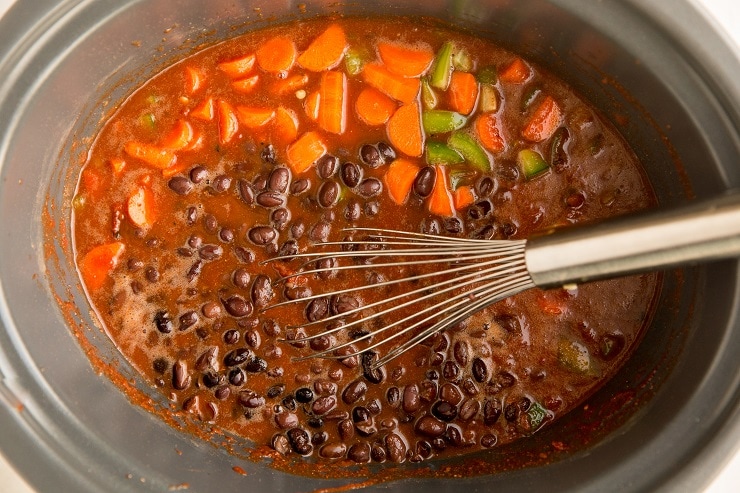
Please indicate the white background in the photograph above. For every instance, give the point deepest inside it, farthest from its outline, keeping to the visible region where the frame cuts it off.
(727, 14)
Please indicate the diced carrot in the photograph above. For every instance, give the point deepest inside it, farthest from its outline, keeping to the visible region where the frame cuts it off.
(246, 85)
(228, 123)
(311, 105)
(276, 55)
(117, 165)
(204, 110)
(195, 143)
(405, 60)
(284, 128)
(373, 107)
(463, 92)
(305, 151)
(404, 130)
(91, 179)
(140, 207)
(400, 178)
(179, 137)
(486, 127)
(152, 155)
(238, 67)
(175, 169)
(96, 264)
(543, 122)
(193, 79)
(252, 117)
(517, 72)
(440, 201)
(290, 84)
(463, 197)
(326, 51)
(399, 88)
(333, 102)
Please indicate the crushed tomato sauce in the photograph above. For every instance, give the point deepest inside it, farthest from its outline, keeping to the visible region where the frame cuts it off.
(268, 143)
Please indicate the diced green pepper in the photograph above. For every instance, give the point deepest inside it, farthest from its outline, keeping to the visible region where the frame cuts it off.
(460, 177)
(531, 163)
(574, 356)
(470, 150)
(529, 96)
(442, 68)
(461, 60)
(353, 61)
(439, 153)
(442, 121)
(533, 418)
(148, 121)
(488, 101)
(487, 75)
(428, 96)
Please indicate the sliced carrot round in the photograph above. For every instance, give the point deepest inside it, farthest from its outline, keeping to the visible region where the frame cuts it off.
(543, 122)
(440, 201)
(140, 207)
(252, 117)
(486, 127)
(228, 123)
(400, 178)
(238, 67)
(404, 130)
(98, 263)
(326, 51)
(276, 55)
(373, 107)
(284, 128)
(180, 136)
(405, 60)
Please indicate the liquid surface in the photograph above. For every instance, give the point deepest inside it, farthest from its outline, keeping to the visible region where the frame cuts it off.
(269, 143)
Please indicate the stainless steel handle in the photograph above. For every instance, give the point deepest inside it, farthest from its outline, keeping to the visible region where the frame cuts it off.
(701, 231)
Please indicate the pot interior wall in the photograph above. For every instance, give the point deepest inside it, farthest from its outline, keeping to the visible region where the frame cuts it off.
(85, 57)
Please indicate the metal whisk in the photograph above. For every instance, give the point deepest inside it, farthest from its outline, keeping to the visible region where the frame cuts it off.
(467, 275)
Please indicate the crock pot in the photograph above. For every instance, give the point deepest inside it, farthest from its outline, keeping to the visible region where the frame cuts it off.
(657, 69)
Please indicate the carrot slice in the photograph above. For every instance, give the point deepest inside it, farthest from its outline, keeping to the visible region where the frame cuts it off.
(486, 127)
(117, 165)
(373, 107)
(440, 201)
(140, 207)
(517, 72)
(404, 60)
(400, 178)
(543, 122)
(180, 137)
(399, 88)
(204, 110)
(311, 105)
(305, 151)
(289, 84)
(98, 263)
(463, 197)
(333, 102)
(246, 85)
(326, 51)
(252, 117)
(284, 127)
(404, 130)
(238, 67)
(276, 55)
(193, 79)
(152, 155)
(463, 92)
(228, 123)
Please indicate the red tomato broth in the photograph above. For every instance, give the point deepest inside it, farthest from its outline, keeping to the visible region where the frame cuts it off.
(192, 259)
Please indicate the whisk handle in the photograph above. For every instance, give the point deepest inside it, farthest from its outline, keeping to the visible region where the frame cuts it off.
(702, 231)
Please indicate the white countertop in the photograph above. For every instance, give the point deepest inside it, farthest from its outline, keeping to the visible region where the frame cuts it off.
(727, 13)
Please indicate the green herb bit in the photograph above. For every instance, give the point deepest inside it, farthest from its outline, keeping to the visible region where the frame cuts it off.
(531, 163)
(442, 67)
(353, 61)
(460, 177)
(470, 150)
(148, 121)
(488, 102)
(534, 418)
(574, 356)
(529, 96)
(462, 61)
(428, 96)
(442, 121)
(487, 75)
(440, 153)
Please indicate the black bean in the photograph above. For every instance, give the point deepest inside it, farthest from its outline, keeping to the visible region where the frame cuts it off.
(270, 199)
(424, 181)
(411, 401)
(320, 231)
(281, 444)
(271, 328)
(276, 390)
(297, 293)
(354, 391)
(431, 226)
(485, 186)
(451, 371)
(151, 274)
(352, 211)
(480, 370)
(180, 185)
(485, 233)
(469, 409)
(327, 166)
(480, 209)
(488, 440)
(210, 223)
(252, 338)
(558, 152)
(317, 309)
(386, 152)
(373, 375)
(575, 200)
(360, 414)
(262, 235)
(321, 343)
(237, 377)
(194, 270)
(191, 215)
(163, 322)
(211, 379)
(396, 447)
(453, 225)
(300, 186)
(221, 184)
(304, 395)
(198, 174)
(210, 252)
(359, 452)
(256, 365)
(460, 351)
(246, 191)
(222, 393)
(280, 217)
(237, 306)
(378, 453)
(611, 345)
(180, 377)
(323, 405)
(160, 365)
(430, 426)
(241, 278)
(509, 229)
(370, 187)
(511, 412)
(188, 319)
(231, 336)
(351, 174)
(343, 303)
(268, 154)
(251, 399)
(289, 402)
(237, 356)
(300, 441)
(510, 324)
(288, 249)
(259, 182)
(372, 208)
(195, 241)
(444, 411)
(262, 291)
(370, 155)
(211, 309)
(469, 387)
(244, 255)
(328, 194)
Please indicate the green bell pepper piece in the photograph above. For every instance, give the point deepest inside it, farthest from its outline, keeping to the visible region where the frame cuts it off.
(470, 149)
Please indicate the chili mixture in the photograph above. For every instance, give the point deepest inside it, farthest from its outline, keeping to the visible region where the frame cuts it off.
(269, 143)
